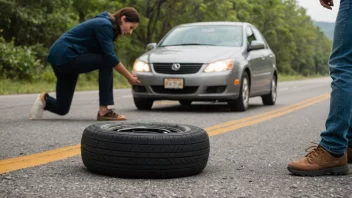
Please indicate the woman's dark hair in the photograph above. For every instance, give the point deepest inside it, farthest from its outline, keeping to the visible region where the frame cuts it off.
(131, 16)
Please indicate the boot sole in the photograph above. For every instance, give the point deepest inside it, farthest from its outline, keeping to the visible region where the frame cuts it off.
(343, 170)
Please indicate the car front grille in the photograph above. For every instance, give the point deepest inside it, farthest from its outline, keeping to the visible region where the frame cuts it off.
(185, 90)
(185, 68)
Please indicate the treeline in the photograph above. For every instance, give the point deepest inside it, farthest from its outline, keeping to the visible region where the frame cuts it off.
(29, 27)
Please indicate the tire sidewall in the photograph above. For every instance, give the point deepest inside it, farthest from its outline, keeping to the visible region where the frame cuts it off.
(109, 135)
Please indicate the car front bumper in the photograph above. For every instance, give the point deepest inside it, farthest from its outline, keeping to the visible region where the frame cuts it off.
(197, 87)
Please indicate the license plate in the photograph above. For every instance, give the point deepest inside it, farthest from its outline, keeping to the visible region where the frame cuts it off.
(173, 83)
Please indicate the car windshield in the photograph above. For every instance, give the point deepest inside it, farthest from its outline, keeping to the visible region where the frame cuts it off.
(215, 35)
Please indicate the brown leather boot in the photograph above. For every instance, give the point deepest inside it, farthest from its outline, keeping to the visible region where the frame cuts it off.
(319, 162)
(349, 155)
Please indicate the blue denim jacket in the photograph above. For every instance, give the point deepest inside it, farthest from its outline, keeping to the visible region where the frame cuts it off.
(92, 36)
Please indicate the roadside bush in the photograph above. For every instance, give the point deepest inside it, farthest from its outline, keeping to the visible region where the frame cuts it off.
(47, 75)
(41, 52)
(17, 62)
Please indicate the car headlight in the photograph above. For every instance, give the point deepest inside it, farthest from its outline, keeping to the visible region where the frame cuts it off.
(140, 66)
(219, 66)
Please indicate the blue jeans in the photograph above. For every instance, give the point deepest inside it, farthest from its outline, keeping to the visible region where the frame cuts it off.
(338, 134)
(67, 76)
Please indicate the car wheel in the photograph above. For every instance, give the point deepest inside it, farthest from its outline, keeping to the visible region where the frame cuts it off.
(270, 98)
(241, 103)
(143, 104)
(145, 150)
(185, 102)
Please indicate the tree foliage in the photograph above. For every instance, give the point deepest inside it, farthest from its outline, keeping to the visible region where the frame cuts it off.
(300, 47)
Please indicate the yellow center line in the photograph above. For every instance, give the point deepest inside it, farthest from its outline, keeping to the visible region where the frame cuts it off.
(18, 163)
(12, 164)
(237, 124)
(268, 115)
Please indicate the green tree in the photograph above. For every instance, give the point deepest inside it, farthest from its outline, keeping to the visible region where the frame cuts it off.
(31, 22)
(34, 25)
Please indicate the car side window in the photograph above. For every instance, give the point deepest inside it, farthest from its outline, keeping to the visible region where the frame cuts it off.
(250, 35)
(258, 36)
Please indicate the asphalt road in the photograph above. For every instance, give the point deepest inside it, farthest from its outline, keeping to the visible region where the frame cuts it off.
(247, 162)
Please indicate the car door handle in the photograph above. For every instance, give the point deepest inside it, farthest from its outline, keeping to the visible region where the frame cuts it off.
(271, 56)
(263, 57)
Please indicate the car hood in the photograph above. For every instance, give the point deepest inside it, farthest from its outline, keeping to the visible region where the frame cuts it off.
(189, 54)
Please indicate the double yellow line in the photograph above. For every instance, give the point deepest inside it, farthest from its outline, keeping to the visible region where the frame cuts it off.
(17, 163)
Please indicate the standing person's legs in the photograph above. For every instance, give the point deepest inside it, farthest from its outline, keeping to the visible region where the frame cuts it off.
(330, 156)
(334, 139)
(349, 148)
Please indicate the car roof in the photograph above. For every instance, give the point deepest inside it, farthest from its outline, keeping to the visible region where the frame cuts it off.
(214, 23)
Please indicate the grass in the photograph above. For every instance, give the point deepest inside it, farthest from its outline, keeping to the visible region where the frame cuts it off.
(8, 86)
(283, 78)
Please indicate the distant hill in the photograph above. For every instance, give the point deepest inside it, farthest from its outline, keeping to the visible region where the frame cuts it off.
(326, 27)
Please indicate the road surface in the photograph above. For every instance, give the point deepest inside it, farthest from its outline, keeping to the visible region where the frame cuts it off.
(246, 160)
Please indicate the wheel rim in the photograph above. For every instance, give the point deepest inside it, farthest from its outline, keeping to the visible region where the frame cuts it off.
(273, 90)
(146, 129)
(245, 91)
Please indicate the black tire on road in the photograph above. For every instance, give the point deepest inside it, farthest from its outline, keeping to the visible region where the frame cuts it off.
(145, 150)
(241, 103)
(143, 104)
(270, 99)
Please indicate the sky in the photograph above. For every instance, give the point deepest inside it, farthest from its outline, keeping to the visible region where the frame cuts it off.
(319, 13)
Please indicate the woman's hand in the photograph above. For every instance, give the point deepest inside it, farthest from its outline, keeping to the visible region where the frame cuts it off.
(133, 80)
(327, 4)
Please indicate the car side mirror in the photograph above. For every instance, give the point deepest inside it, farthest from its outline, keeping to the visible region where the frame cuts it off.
(151, 46)
(256, 45)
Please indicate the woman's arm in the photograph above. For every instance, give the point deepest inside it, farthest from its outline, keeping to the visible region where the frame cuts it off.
(133, 80)
(104, 35)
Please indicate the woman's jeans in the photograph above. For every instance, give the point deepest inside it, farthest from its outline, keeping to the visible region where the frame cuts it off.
(338, 134)
(67, 76)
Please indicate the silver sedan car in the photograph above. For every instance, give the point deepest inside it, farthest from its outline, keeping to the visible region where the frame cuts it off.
(208, 61)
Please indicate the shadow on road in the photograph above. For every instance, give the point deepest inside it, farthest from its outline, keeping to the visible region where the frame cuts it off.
(198, 108)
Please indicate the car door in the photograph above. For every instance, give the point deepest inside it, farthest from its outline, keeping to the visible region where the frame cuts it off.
(265, 70)
(255, 61)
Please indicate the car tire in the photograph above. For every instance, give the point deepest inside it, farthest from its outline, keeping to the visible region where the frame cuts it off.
(143, 104)
(145, 150)
(241, 103)
(185, 102)
(270, 99)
